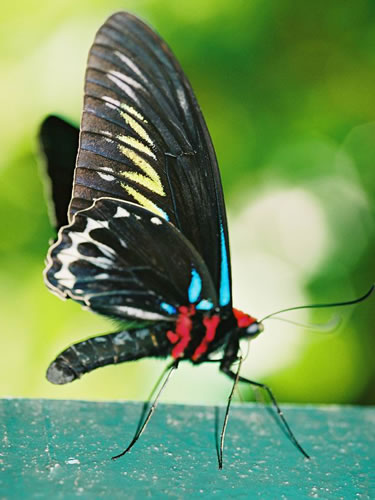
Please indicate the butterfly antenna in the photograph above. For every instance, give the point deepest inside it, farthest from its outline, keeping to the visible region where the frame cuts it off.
(328, 326)
(222, 436)
(318, 306)
(141, 428)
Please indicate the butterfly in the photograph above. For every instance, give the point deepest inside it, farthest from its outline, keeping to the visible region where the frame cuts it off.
(140, 215)
(139, 211)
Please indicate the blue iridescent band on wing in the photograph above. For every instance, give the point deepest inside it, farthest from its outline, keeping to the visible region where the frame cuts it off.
(168, 308)
(204, 305)
(224, 294)
(195, 286)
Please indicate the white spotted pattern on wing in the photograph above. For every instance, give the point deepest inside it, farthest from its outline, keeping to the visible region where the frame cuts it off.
(156, 221)
(67, 256)
(131, 64)
(125, 78)
(95, 224)
(121, 212)
(106, 132)
(137, 313)
(182, 100)
(110, 102)
(123, 86)
(65, 278)
(108, 136)
(106, 177)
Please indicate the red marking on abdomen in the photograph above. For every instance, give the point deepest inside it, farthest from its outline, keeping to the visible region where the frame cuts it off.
(211, 325)
(181, 337)
(243, 320)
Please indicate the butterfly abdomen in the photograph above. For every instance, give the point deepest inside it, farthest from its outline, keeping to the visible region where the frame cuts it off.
(126, 345)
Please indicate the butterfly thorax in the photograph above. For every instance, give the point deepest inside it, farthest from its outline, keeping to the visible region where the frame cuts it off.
(197, 334)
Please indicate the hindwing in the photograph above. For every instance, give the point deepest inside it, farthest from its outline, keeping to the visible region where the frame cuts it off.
(58, 142)
(121, 260)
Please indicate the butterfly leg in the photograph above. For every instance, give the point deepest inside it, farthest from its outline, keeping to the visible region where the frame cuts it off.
(138, 434)
(226, 416)
(230, 356)
(146, 405)
(225, 367)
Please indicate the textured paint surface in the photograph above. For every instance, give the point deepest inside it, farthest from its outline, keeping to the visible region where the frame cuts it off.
(62, 449)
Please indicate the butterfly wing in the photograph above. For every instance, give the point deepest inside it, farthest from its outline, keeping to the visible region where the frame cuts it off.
(123, 261)
(59, 144)
(144, 140)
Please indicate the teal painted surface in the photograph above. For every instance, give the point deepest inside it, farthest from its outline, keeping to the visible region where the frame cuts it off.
(62, 449)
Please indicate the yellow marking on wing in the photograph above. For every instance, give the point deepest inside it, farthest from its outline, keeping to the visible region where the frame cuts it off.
(150, 180)
(138, 129)
(136, 144)
(154, 339)
(133, 112)
(142, 200)
(148, 177)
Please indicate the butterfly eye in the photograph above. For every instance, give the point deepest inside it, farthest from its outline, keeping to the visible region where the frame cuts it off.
(254, 329)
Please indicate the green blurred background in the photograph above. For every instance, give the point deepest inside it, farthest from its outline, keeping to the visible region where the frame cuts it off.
(288, 92)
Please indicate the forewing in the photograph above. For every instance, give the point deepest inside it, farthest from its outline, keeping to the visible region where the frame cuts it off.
(122, 260)
(144, 140)
(59, 144)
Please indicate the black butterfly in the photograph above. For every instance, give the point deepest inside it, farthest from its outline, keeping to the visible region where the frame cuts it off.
(143, 235)
(142, 228)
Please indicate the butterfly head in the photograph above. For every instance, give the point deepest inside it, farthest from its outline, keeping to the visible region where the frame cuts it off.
(253, 330)
(249, 327)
